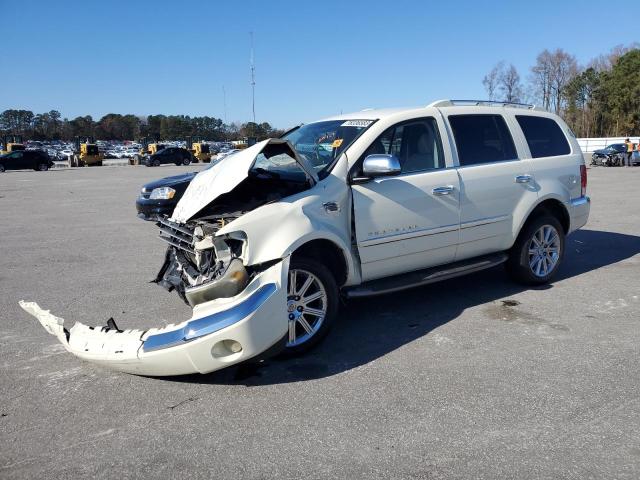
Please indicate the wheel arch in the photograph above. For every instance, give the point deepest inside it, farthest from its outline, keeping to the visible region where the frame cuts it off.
(550, 205)
(327, 252)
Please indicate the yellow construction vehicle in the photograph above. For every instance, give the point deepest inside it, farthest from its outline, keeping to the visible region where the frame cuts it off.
(200, 150)
(87, 154)
(146, 149)
(11, 143)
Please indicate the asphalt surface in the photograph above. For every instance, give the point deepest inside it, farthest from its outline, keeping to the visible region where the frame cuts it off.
(471, 378)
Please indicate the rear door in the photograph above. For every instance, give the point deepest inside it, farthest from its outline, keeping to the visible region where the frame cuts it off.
(408, 221)
(494, 182)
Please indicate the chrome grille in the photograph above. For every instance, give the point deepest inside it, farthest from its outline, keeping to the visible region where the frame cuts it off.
(177, 235)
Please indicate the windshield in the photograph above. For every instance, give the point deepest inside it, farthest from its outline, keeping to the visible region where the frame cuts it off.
(321, 143)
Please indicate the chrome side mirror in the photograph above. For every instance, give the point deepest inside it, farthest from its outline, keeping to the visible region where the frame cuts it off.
(380, 165)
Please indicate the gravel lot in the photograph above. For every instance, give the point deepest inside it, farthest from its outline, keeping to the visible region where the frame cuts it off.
(470, 378)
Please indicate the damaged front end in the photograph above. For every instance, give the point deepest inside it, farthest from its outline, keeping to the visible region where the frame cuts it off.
(199, 265)
(239, 310)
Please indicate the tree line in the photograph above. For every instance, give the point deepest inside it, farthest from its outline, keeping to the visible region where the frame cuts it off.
(113, 126)
(599, 99)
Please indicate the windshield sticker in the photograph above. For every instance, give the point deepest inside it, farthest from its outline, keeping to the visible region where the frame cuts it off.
(337, 142)
(357, 123)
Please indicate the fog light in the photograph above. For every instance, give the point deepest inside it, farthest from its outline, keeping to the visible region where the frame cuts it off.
(225, 348)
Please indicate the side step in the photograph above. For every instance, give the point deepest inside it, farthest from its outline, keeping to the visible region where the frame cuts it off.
(424, 277)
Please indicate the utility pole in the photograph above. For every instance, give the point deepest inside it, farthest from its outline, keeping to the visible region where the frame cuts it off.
(224, 103)
(253, 82)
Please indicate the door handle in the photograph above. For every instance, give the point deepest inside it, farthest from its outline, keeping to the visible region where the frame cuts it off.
(445, 190)
(523, 178)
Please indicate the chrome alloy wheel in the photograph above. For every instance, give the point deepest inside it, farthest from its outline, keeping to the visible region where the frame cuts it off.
(306, 306)
(544, 251)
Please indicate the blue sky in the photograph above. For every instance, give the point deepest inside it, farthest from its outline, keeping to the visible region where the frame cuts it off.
(313, 59)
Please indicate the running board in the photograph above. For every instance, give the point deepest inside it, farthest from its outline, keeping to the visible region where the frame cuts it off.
(424, 277)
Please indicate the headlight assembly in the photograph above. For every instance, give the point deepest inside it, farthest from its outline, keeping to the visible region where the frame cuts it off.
(162, 193)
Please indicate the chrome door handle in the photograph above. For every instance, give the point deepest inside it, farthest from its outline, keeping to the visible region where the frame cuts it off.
(446, 190)
(523, 179)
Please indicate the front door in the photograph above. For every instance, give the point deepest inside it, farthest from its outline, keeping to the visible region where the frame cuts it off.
(409, 221)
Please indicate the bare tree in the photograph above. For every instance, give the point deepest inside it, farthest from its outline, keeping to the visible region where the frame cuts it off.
(541, 78)
(509, 84)
(491, 80)
(550, 76)
(565, 68)
(605, 62)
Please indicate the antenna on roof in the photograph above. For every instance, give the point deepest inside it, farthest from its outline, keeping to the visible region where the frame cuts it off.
(253, 82)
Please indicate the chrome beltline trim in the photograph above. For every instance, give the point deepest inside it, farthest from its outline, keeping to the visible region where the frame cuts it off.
(211, 323)
(484, 221)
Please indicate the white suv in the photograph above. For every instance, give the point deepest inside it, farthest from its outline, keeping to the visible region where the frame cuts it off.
(263, 244)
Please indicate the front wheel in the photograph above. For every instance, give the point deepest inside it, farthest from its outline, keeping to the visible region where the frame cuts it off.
(535, 257)
(1, 168)
(186, 162)
(43, 167)
(312, 305)
(156, 163)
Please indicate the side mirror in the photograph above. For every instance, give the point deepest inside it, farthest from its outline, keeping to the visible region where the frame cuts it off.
(380, 165)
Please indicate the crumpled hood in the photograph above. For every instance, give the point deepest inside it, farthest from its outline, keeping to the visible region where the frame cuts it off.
(224, 177)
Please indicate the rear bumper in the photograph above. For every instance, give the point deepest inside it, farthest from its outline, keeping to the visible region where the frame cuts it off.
(579, 209)
(220, 333)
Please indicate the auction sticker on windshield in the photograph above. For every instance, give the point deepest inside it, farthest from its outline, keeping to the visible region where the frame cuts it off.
(357, 123)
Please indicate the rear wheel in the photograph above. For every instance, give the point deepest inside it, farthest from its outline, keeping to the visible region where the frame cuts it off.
(186, 161)
(538, 251)
(43, 167)
(1, 168)
(156, 163)
(312, 305)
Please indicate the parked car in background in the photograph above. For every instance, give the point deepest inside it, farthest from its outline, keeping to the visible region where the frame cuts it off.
(175, 155)
(25, 159)
(160, 197)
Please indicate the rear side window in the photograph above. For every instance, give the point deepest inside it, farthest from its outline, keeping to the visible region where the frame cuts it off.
(482, 139)
(544, 136)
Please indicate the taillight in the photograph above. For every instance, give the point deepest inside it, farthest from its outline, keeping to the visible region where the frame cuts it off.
(583, 180)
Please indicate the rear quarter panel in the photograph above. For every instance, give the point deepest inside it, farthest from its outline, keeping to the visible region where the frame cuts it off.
(556, 177)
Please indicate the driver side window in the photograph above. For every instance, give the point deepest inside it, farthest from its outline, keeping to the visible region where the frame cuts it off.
(416, 144)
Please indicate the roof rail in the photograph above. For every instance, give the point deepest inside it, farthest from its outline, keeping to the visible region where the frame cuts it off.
(451, 103)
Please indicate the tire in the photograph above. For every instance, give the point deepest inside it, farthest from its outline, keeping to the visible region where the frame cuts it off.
(536, 261)
(301, 338)
(42, 167)
(156, 163)
(186, 162)
(1, 168)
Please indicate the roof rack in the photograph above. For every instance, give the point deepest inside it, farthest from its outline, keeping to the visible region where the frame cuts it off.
(452, 103)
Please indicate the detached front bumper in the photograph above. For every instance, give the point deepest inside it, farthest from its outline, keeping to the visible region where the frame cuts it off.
(220, 333)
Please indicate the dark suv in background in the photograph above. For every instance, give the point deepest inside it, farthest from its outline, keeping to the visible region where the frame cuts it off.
(25, 159)
(175, 155)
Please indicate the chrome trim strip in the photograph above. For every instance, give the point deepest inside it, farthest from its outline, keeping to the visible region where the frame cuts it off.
(483, 221)
(577, 202)
(211, 323)
(408, 235)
